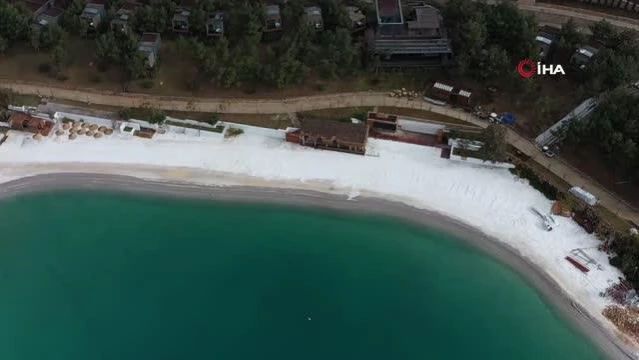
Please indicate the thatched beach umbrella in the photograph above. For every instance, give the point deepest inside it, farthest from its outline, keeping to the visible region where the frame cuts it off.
(98, 135)
(93, 127)
(85, 126)
(76, 126)
(102, 128)
(108, 131)
(81, 132)
(37, 137)
(72, 136)
(66, 126)
(59, 132)
(90, 133)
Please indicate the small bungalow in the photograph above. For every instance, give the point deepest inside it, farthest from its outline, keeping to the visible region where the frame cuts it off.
(441, 92)
(215, 24)
(149, 45)
(34, 7)
(583, 56)
(180, 22)
(24, 122)
(48, 17)
(313, 15)
(93, 14)
(357, 18)
(331, 135)
(462, 98)
(120, 22)
(273, 18)
(545, 42)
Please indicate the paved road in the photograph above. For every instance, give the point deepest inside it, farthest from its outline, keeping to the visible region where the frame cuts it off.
(372, 99)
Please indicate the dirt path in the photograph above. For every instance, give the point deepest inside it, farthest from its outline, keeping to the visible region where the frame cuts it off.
(291, 105)
(557, 15)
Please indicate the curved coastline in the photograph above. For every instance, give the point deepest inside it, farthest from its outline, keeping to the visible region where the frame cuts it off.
(604, 338)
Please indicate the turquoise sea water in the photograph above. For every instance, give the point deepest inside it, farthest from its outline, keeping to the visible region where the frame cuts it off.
(108, 276)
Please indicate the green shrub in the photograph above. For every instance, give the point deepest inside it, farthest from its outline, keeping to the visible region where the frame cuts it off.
(546, 188)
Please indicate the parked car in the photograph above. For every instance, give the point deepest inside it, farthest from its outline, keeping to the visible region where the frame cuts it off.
(547, 152)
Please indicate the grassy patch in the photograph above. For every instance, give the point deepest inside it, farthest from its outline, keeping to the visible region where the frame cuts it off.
(613, 220)
(154, 116)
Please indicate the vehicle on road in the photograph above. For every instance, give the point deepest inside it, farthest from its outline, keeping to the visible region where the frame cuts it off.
(547, 152)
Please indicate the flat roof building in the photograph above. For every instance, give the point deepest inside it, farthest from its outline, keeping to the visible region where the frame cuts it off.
(419, 40)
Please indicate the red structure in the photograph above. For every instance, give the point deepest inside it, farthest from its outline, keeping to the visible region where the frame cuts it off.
(24, 122)
(577, 264)
(331, 135)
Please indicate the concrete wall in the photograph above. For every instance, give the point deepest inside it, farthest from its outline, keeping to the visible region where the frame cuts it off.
(473, 161)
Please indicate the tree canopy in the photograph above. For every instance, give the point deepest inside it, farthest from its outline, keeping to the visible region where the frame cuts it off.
(488, 39)
(613, 128)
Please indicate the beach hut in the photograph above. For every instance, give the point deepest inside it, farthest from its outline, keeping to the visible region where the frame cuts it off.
(441, 92)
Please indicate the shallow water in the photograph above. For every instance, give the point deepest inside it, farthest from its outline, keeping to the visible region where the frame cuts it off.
(111, 276)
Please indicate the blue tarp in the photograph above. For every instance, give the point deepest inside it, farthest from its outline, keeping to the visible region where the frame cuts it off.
(508, 118)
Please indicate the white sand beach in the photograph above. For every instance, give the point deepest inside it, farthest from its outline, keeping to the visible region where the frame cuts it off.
(490, 200)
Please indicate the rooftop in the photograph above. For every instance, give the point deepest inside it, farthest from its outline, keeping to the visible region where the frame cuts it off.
(347, 132)
(426, 17)
(389, 12)
(273, 11)
(150, 37)
(53, 12)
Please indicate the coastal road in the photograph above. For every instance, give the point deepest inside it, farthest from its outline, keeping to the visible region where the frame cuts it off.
(326, 101)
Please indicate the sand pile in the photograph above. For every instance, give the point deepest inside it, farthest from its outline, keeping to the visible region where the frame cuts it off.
(627, 320)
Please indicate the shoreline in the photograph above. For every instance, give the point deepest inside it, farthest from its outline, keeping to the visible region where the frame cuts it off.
(601, 336)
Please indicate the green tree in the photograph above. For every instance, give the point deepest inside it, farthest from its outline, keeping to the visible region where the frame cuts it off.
(4, 44)
(71, 20)
(335, 15)
(571, 37)
(58, 58)
(52, 36)
(14, 24)
(107, 51)
(495, 147)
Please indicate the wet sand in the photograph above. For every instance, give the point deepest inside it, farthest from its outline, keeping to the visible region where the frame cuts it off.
(609, 343)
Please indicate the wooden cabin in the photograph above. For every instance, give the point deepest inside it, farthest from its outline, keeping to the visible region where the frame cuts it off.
(331, 135)
(462, 98)
(441, 92)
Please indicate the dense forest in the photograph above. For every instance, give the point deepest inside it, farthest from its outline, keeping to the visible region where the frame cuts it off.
(239, 57)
